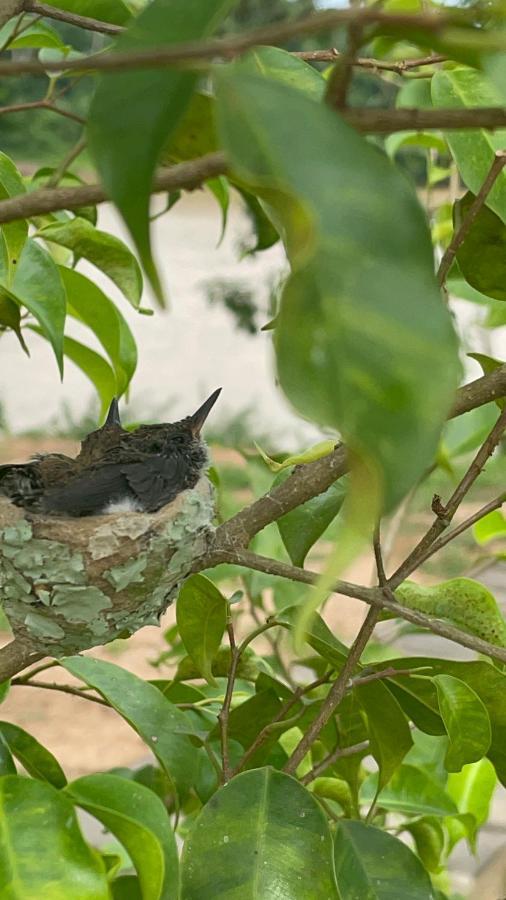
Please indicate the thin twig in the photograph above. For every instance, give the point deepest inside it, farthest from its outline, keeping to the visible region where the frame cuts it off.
(336, 693)
(265, 733)
(36, 670)
(363, 62)
(462, 231)
(226, 47)
(340, 78)
(64, 15)
(42, 104)
(467, 523)
(63, 688)
(445, 514)
(331, 758)
(67, 161)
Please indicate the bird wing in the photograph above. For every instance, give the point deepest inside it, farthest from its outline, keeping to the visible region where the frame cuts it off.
(88, 494)
(158, 480)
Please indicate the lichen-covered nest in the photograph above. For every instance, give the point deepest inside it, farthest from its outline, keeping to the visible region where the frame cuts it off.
(69, 584)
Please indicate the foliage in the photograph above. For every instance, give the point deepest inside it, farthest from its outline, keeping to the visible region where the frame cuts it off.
(282, 760)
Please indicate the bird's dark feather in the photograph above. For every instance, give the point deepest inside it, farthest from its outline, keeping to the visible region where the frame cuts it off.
(157, 482)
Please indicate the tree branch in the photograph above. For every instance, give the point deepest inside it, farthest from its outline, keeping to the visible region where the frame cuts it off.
(277, 33)
(63, 688)
(388, 121)
(64, 15)
(462, 231)
(445, 514)
(338, 753)
(467, 523)
(14, 657)
(364, 62)
(187, 175)
(42, 104)
(373, 596)
(336, 693)
(10, 8)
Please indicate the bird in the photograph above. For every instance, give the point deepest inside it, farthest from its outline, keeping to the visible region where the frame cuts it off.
(116, 470)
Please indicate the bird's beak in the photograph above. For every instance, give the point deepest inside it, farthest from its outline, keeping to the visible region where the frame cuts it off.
(198, 418)
(113, 414)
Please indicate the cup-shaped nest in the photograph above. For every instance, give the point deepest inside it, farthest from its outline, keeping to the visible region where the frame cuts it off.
(67, 584)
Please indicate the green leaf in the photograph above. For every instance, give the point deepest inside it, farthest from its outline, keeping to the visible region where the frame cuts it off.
(262, 835)
(466, 721)
(463, 601)
(87, 303)
(42, 853)
(412, 791)
(389, 734)
(161, 725)
(7, 764)
(38, 762)
(373, 865)
(345, 330)
(126, 138)
(37, 286)
(472, 149)
(302, 527)
(114, 11)
(429, 839)
(266, 235)
(139, 820)
(319, 636)
(248, 719)
(491, 526)
(196, 133)
(10, 317)
(37, 35)
(472, 790)
(201, 618)
(481, 256)
(14, 233)
(220, 189)
(107, 252)
(282, 66)
(126, 887)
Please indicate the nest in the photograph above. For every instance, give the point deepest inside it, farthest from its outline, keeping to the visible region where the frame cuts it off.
(70, 584)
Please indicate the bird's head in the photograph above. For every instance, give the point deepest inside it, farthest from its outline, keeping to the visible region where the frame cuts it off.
(186, 434)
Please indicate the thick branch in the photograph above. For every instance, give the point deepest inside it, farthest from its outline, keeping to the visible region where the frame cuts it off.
(15, 657)
(277, 33)
(372, 596)
(185, 175)
(388, 121)
(10, 8)
(480, 391)
(64, 15)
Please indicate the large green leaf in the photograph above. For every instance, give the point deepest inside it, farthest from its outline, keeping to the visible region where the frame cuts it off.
(139, 820)
(302, 527)
(38, 287)
(282, 66)
(361, 314)
(34, 36)
(466, 720)
(373, 865)
(37, 761)
(87, 303)
(472, 790)
(319, 636)
(161, 725)
(263, 835)
(42, 853)
(107, 252)
(473, 149)
(488, 682)
(465, 602)
(14, 233)
(482, 255)
(389, 732)
(134, 113)
(201, 618)
(411, 790)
